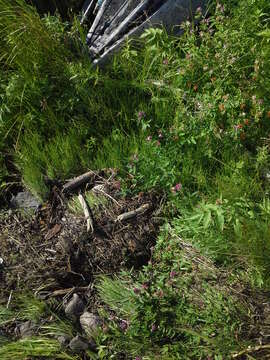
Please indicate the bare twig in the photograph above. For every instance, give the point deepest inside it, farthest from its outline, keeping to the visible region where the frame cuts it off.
(87, 213)
(131, 214)
(99, 188)
(9, 298)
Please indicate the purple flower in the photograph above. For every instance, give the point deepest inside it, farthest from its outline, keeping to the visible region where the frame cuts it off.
(123, 325)
(199, 10)
(141, 114)
(136, 290)
(138, 358)
(153, 328)
(165, 62)
(178, 187)
(173, 274)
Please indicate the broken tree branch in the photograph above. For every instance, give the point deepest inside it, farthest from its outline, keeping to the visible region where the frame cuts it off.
(78, 181)
(133, 213)
(87, 213)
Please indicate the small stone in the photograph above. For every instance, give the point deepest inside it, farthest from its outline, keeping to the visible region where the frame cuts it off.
(27, 329)
(90, 323)
(78, 344)
(65, 245)
(74, 307)
(64, 340)
(25, 200)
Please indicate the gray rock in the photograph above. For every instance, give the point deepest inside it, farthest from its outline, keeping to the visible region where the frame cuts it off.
(90, 323)
(78, 344)
(64, 340)
(25, 200)
(74, 307)
(27, 329)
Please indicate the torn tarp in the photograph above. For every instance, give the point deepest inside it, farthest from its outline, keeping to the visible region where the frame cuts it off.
(115, 20)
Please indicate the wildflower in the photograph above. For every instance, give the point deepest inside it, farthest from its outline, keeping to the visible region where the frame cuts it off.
(141, 115)
(238, 126)
(123, 325)
(149, 138)
(158, 143)
(178, 187)
(160, 135)
(136, 290)
(205, 68)
(153, 327)
(201, 34)
(165, 62)
(173, 274)
(145, 286)
(135, 157)
(199, 10)
(137, 358)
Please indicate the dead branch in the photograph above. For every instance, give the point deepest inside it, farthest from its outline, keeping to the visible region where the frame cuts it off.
(87, 213)
(78, 181)
(62, 292)
(133, 213)
(251, 350)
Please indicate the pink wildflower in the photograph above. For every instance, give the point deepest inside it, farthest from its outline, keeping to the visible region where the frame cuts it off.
(165, 62)
(136, 290)
(178, 187)
(141, 114)
(173, 274)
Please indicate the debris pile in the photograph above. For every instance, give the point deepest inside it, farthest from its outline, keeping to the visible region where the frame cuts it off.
(63, 244)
